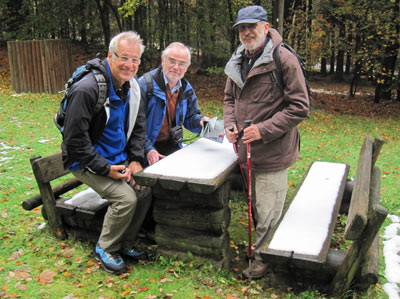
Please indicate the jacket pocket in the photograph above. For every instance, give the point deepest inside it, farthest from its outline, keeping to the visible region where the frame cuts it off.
(262, 89)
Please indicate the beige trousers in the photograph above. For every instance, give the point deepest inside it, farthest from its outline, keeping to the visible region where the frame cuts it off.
(125, 213)
(269, 193)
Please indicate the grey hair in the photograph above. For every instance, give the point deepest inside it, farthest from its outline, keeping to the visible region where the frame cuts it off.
(129, 35)
(165, 52)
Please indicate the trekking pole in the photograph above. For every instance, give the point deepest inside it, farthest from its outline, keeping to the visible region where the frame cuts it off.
(230, 128)
(247, 123)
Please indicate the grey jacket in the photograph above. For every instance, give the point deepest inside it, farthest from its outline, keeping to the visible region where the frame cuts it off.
(275, 113)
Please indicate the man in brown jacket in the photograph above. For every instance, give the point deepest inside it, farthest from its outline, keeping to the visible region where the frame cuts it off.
(252, 93)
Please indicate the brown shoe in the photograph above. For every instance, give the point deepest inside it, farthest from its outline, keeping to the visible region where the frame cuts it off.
(258, 270)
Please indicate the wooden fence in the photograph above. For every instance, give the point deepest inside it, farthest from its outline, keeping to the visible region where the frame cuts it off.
(39, 65)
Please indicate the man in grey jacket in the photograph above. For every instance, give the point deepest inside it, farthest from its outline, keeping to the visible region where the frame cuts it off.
(252, 93)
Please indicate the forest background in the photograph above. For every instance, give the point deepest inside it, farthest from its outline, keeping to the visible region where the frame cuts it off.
(356, 38)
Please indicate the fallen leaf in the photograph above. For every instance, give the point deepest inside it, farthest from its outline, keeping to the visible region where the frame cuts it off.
(142, 289)
(165, 280)
(21, 274)
(46, 277)
(124, 293)
(22, 287)
(90, 263)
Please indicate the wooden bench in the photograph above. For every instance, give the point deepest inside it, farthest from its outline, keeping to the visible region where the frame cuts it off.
(297, 247)
(81, 216)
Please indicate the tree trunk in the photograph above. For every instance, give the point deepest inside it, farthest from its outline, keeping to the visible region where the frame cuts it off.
(323, 66)
(354, 80)
(348, 53)
(230, 31)
(104, 13)
(332, 58)
(162, 22)
(308, 29)
(340, 55)
(398, 86)
(116, 14)
(82, 23)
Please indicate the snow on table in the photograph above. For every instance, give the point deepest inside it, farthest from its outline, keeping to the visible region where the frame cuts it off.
(305, 226)
(203, 159)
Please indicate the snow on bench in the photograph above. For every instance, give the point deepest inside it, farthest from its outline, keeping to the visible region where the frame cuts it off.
(203, 165)
(304, 231)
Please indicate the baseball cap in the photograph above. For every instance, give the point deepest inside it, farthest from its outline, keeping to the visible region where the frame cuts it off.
(251, 14)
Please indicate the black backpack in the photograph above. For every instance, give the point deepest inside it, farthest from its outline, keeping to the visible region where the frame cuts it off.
(278, 71)
(78, 74)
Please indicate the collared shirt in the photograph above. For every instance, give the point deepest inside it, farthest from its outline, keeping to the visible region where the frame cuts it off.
(175, 88)
(249, 59)
(121, 91)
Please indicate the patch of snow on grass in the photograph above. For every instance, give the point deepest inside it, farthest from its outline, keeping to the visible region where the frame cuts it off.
(391, 253)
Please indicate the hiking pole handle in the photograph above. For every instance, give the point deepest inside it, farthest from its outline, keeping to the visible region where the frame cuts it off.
(247, 123)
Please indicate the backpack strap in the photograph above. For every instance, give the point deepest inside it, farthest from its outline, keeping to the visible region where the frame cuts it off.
(102, 85)
(277, 73)
(149, 84)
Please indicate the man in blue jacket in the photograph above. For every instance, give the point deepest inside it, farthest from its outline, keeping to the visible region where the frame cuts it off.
(104, 149)
(171, 104)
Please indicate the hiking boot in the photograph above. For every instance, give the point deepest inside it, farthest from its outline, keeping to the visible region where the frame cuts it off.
(134, 254)
(258, 270)
(111, 261)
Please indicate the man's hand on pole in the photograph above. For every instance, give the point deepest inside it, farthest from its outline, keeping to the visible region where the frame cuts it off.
(231, 134)
(251, 134)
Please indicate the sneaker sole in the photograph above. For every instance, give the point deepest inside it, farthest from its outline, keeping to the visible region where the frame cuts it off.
(97, 257)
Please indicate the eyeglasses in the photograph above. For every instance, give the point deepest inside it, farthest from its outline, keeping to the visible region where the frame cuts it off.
(251, 26)
(180, 64)
(125, 59)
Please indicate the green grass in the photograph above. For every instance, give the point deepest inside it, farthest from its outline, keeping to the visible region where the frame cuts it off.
(28, 253)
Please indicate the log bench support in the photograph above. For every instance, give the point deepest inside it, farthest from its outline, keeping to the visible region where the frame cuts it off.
(193, 222)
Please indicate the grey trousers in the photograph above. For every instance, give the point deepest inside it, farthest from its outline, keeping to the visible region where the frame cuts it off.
(269, 193)
(125, 213)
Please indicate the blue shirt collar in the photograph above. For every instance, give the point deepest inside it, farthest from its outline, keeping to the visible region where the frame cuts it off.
(176, 87)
